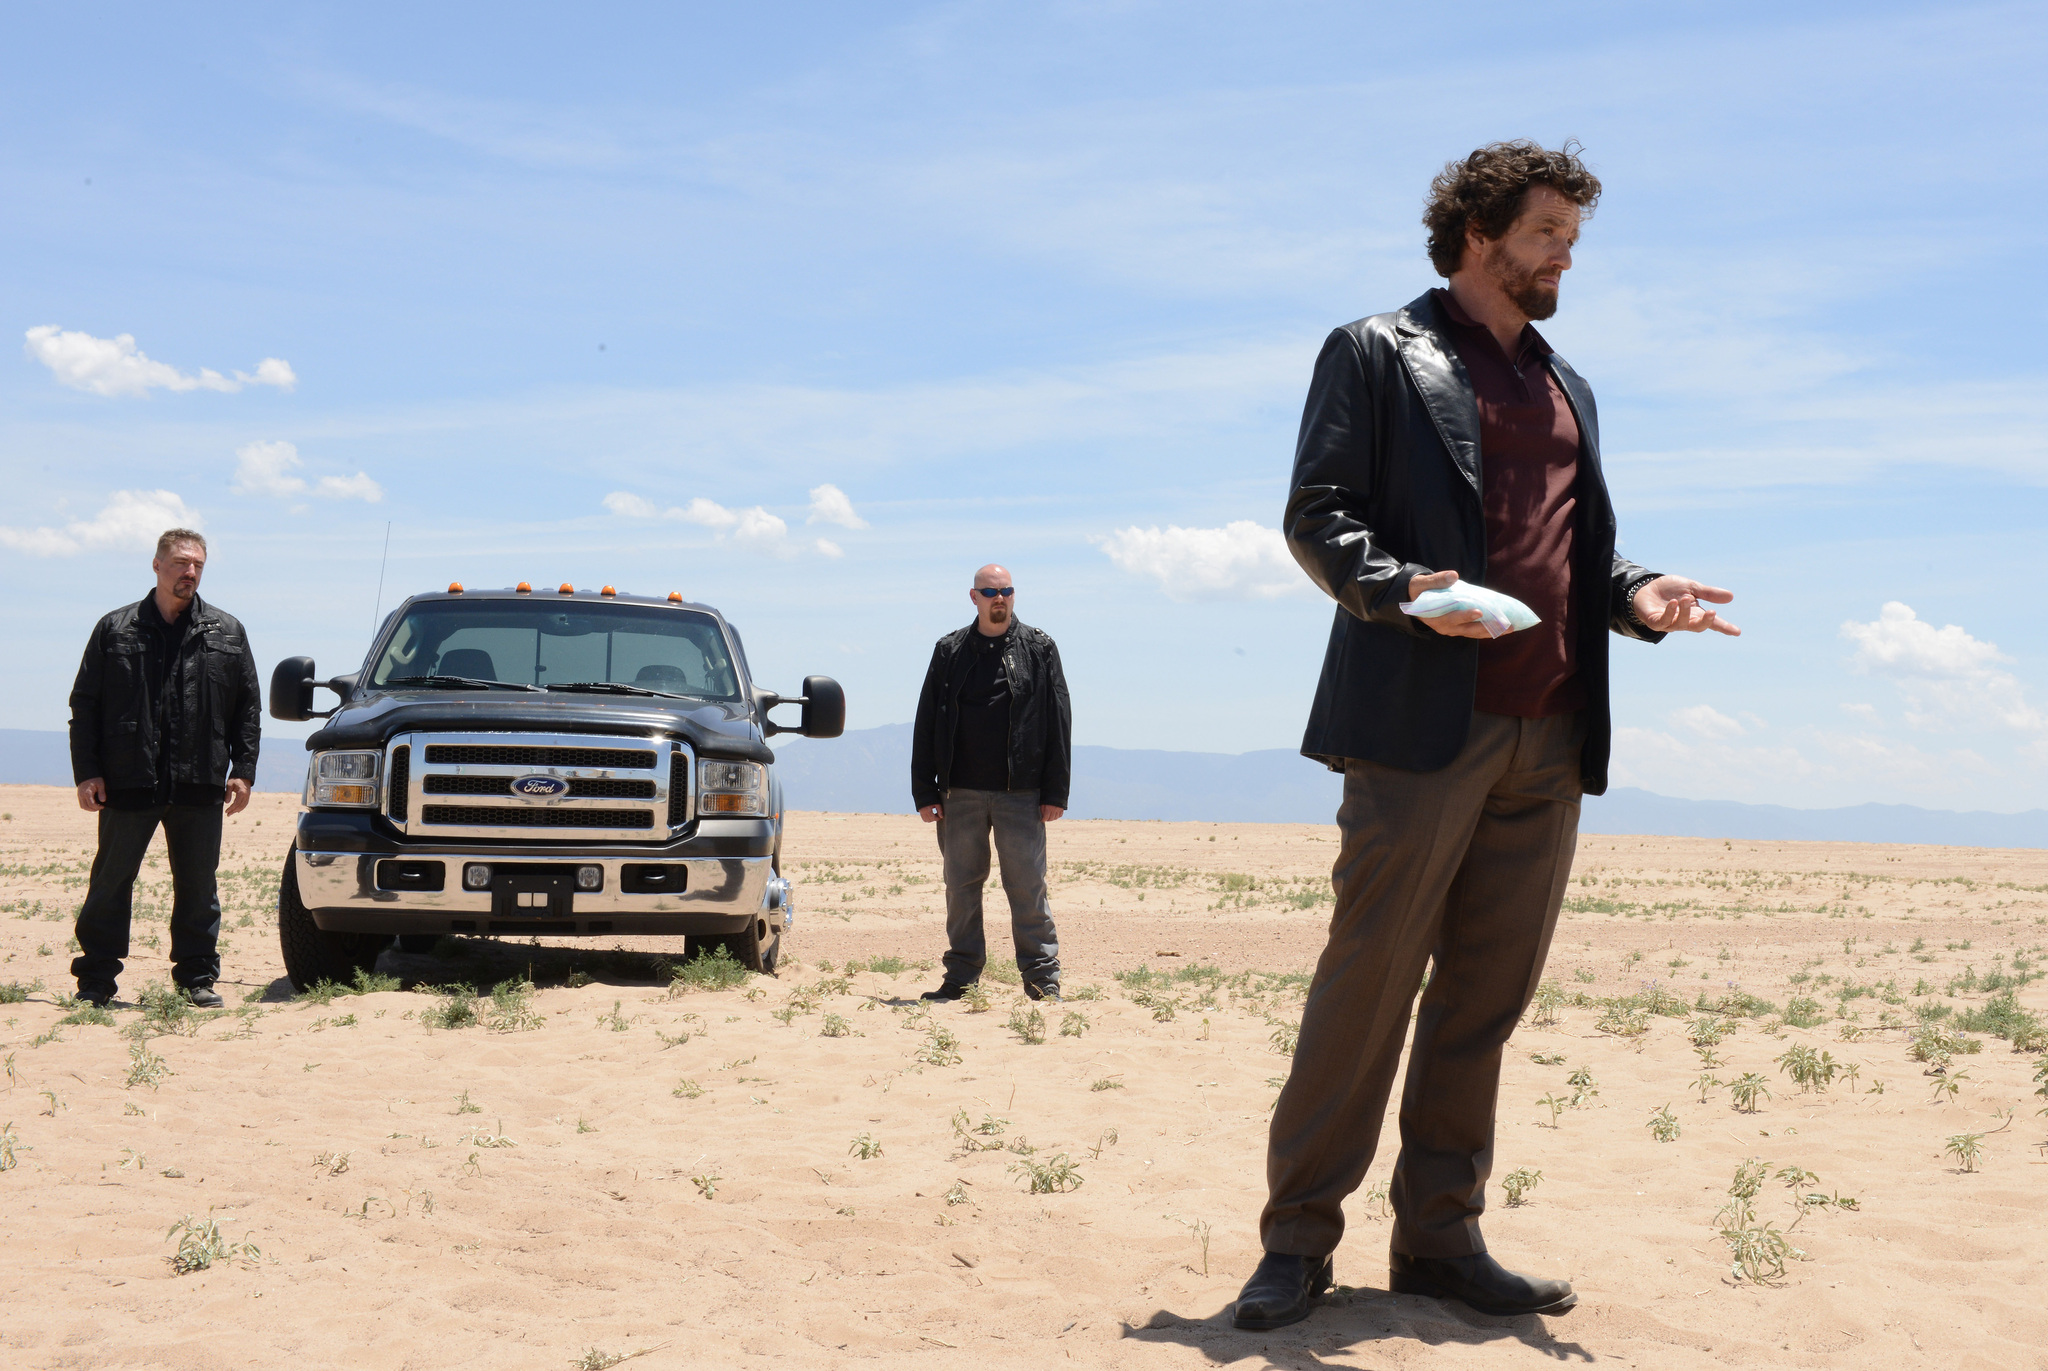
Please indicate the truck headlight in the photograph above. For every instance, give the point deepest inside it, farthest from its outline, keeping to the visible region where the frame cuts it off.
(731, 787)
(343, 780)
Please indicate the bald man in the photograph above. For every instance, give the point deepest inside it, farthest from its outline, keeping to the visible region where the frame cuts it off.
(992, 756)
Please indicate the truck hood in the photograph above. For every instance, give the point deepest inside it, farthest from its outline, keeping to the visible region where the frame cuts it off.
(713, 729)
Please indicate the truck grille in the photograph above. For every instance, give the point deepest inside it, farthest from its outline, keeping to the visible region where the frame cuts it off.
(496, 754)
(459, 785)
(499, 785)
(481, 816)
(398, 782)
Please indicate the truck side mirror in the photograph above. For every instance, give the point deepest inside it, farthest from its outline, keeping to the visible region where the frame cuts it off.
(291, 690)
(824, 708)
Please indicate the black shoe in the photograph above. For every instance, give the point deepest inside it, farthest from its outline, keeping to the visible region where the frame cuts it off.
(946, 991)
(202, 996)
(1048, 991)
(98, 996)
(1479, 1281)
(1281, 1291)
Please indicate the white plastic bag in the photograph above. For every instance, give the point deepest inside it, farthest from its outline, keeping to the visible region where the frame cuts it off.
(1498, 613)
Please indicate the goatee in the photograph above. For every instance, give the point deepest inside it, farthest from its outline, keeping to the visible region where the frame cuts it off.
(1537, 299)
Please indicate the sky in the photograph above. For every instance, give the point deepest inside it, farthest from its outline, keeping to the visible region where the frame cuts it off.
(807, 311)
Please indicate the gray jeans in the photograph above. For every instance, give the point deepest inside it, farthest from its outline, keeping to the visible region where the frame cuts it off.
(967, 819)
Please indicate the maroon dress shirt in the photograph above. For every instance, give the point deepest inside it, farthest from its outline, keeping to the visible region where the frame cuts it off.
(1529, 466)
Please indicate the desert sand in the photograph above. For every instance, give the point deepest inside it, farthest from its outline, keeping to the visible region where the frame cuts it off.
(607, 1167)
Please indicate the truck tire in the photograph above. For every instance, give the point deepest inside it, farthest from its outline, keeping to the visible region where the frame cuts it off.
(311, 953)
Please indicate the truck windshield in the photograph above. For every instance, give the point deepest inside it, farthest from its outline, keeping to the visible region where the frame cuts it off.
(535, 642)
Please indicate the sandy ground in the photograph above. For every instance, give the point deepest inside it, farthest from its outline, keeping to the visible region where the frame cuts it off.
(629, 1170)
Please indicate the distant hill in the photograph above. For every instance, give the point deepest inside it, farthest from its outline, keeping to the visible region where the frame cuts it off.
(868, 771)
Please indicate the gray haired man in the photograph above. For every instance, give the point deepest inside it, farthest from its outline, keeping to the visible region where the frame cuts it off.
(165, 724)
(992, 755)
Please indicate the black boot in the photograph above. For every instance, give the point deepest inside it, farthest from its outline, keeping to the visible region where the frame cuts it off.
(1479, 1281)
(1281, 1290)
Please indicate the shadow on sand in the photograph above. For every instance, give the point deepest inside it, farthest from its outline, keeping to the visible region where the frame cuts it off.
(1355, 1320)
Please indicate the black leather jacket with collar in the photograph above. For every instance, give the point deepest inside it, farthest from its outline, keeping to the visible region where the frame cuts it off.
(1041, 719)
(1387, 487)
(217, 707)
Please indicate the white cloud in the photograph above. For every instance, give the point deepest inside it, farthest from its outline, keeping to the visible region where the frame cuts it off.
(752, 527)
(1948, 678)
(1241, 560)
(1708, 722)
(827, 548)
(115, 366)
(265, 468)
(130, 521)
(1866, 713)
(829, 505)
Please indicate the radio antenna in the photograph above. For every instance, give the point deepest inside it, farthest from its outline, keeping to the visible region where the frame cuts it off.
(380, 577)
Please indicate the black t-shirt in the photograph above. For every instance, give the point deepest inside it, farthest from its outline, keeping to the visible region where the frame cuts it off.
(981, 735)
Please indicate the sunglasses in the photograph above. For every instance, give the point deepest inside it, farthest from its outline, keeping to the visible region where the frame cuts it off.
(991, 592)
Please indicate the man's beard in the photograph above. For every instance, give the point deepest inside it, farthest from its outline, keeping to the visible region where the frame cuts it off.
(999, 614)
(1536, 299)
(184, 590)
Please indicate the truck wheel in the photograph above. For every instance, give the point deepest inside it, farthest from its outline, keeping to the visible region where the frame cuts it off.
(751, 949)
(311, 953)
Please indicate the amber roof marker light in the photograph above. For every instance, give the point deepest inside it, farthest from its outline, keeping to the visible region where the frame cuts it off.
(675, 597)
(523, 588)
(565, 589)
(607, 591)
(455, 587)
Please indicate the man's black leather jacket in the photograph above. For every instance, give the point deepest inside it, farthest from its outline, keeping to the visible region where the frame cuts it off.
(1041, 720)
(1387, 487)
(219, 710)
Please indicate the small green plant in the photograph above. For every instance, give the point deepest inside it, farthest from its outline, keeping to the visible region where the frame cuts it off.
(335, 1162)
(1556, 1104)
(1623, 1019)
(1706, 1085)
(1381, 1196)
(1054, 1176)
(1967, 1149)
(1547, 1058)
(1804, 1012)
(201, 1244)
(835, 1026)
(1073, 1024)
(975, 997)
(1584, 1088)
(1519, 1183)
(165, 1010)
(495, 1138)
(8, 1142)
(1747, 1089)
(865, 1147)
(1663, 1125)
(1758, 1252)
(146, 1067)
(784, 1016)
(1107, 1138)
(1106, 1083)
(958, 1194)
(713, 970)
(457, 1010)
(1549, 999)
(464, 1105)
(89, 1014)
(688, 1090)
(1285, 1039)
(1808, 1069)
(14, 992)
(512, 1009)
(941, 1048)
(707, 1184)
(1029, 1027)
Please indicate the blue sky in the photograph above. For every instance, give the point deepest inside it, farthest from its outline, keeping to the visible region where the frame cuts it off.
(1038, 284)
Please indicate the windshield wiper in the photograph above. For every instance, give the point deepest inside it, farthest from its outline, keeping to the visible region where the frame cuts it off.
(613, 688)
(457, 683)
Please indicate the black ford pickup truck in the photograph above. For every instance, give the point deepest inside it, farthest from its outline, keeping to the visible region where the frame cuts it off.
(555, 763)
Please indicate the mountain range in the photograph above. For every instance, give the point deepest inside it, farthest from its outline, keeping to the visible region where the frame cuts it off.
(868, 771)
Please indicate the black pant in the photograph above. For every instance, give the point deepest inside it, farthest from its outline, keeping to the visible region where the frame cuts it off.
(192, 832)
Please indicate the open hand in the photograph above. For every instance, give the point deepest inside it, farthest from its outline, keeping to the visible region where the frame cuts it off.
(1672, 604)
(1463, 623)
(1047, 813)
(238, 797)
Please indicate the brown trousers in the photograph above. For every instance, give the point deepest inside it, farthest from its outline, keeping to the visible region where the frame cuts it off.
(1468, 866)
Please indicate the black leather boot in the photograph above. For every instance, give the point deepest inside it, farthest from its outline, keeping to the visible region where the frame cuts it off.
(1479, 1281)
(1281, 1290)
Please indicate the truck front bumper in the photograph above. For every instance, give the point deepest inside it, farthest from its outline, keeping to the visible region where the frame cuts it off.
(357, 886)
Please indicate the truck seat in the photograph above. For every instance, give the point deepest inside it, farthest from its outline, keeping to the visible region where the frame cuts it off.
(472, 662)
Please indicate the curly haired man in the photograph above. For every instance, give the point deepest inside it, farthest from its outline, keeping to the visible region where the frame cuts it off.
(1445, 442)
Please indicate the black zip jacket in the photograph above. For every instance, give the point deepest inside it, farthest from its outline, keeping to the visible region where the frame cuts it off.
(215, 708)
(1387, 487)
(1041, 720)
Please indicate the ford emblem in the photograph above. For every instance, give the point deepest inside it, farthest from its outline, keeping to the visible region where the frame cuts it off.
(540, 787)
